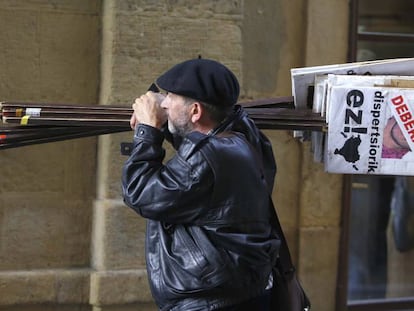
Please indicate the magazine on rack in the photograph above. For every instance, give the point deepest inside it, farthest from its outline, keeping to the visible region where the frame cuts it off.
(305, 90)
(303, 79)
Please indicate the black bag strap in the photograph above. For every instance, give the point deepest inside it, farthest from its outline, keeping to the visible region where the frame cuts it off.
(285, 260)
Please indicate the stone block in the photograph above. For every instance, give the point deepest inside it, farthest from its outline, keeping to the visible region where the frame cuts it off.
(61, 6)
(287, 178)
(321, 194)
(144, 48)
(51, 55)
(48, 307)
(44, 286)
(323, 27)
(40, 231)
(188, 8)
(133, 307)
(120, 287)
(287, 181)
(110, 165)
(25, 287)
(69, 57)
(72, 286)
(20, 77)
(118, 237)
(317, 265)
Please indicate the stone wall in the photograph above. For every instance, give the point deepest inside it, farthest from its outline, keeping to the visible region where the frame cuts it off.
(49, 53)
(66, 238)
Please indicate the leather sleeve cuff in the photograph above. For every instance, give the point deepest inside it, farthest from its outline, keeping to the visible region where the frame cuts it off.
(148, 133)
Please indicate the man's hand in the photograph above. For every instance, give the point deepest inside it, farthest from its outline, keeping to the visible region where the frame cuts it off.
(148, 110)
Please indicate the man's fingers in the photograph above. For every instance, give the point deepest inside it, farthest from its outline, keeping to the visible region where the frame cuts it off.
(133, 121)
(148, 110)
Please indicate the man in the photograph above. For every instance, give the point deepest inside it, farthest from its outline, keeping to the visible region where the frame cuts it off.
(209, 243)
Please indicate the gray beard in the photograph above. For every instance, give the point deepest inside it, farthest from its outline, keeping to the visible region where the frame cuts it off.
(180, 130)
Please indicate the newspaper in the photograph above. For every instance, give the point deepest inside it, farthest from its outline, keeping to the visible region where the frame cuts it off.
(304, 88)
(303, 79)
(358, 81)
(322, 97)
(358, 103)
(371, 130)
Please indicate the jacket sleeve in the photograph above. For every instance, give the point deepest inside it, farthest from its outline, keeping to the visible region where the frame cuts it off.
(172, 192)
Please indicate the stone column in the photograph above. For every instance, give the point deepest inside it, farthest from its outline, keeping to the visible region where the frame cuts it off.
(326, 43)
(140, 40)
(119, 276)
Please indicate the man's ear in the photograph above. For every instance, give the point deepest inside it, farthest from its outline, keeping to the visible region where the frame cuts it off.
(196, 112)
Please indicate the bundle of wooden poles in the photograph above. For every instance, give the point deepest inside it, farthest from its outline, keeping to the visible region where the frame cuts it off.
(36, 123)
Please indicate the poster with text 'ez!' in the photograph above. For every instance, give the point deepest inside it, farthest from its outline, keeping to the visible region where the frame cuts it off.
(370, 130)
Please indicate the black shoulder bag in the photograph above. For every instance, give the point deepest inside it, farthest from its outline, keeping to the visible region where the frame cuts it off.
(287, 292)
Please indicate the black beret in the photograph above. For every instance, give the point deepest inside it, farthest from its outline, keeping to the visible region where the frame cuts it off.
(202, 79)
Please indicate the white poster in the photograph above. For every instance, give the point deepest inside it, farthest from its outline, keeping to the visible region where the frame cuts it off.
(370, 130)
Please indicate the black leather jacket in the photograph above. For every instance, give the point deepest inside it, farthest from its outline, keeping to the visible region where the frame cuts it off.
(209, 242)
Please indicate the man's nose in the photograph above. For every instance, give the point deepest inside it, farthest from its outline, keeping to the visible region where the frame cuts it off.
(164, 103)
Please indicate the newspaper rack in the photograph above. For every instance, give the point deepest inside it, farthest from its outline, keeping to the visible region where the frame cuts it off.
(368, 108)
(358, 116)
